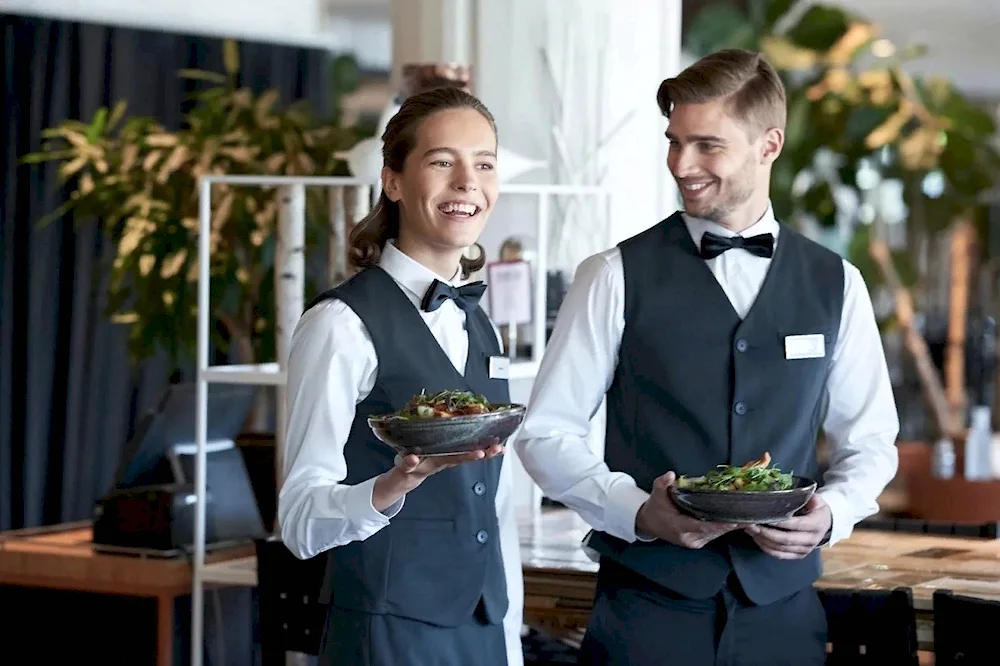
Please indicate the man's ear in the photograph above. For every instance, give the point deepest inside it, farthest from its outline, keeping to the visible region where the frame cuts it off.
(771, 144)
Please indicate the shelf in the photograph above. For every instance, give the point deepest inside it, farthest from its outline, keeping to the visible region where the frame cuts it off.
(269, 374)
(261, 374)
(241, 572)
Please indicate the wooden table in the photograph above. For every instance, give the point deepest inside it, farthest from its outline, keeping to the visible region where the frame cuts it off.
(559, 577)
(62, 558)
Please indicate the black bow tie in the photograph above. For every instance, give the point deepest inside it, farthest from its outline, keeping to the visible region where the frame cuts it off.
(713, 245)
(466, 297)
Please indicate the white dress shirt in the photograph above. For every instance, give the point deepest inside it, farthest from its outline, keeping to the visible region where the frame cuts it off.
(860, 422)
(332, 367)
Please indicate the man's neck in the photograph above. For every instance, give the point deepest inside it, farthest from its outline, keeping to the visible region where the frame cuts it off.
(740, 220)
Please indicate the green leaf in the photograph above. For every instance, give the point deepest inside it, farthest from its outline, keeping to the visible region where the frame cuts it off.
(231, 57)
(960, 164)
(848, 175)
(48, 156)
(818, 200)
(345, 73)
(117, 113)
(967, 119)
(861, 119)
(96, 129)
(719, 26)
(199, 75)
(797, 125)
(820, 27)
(783, 206)
(775, 10)
(58, 213)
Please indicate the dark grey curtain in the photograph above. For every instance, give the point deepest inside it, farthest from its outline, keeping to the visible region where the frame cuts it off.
(68, 394)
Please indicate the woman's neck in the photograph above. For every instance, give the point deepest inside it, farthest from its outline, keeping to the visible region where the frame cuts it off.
(445, 264)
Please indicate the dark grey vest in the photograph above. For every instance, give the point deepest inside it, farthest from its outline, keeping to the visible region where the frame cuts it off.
(696, 387)
(440, 555)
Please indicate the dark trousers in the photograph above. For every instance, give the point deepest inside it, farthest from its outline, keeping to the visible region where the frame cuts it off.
(356, 638)
(636, 622)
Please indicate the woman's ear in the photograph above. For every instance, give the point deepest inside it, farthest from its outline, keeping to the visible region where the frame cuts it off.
(391, 185)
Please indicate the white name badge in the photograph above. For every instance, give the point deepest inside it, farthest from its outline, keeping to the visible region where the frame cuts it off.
(499, 367)
(805, 346)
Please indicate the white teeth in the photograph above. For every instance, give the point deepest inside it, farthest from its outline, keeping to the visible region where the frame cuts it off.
(694, 187)
(457, 207)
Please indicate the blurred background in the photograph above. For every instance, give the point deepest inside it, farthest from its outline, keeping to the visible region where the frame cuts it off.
(113, 110)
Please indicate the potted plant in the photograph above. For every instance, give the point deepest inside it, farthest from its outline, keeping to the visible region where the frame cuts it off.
(141, 180)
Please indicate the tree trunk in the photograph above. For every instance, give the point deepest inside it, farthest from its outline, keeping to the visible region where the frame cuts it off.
(958, 310)
(289, 292)
(930, 382)
(336, 271)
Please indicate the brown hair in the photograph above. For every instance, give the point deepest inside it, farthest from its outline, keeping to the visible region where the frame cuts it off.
(370, 235)
(752, 88)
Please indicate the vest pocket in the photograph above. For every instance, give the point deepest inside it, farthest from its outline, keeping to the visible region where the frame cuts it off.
(434, 576)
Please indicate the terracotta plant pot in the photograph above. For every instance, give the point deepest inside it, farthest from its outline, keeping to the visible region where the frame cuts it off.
(954, 500)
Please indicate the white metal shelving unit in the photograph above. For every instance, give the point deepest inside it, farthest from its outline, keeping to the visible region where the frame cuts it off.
(291, 228)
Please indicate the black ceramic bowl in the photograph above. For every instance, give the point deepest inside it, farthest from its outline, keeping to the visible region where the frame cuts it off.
(448, 436)
(744, 506)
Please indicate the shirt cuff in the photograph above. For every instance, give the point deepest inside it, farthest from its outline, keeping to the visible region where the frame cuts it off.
(361, 511)
(841, 524)
(623, 503)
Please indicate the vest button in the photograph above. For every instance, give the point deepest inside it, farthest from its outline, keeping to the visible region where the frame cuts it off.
(740, 408)
(479, 488)
(741, 345)
(482, 536)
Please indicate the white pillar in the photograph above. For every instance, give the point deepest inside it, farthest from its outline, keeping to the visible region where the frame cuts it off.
(425, 31)
(647, 49)
(289, 288)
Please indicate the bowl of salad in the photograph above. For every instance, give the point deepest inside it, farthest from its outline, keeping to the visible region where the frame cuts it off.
(754, 493)
(447, 423)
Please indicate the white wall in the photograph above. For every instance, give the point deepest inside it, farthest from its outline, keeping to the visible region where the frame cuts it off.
(358, 26)
(510, 77)
(960, 36)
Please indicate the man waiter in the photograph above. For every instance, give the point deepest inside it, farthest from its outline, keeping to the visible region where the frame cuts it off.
(716, 335)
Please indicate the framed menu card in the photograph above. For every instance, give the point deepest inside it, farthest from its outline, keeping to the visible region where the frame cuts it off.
(509, 289)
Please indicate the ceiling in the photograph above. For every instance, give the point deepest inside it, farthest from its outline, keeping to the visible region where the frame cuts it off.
(360, 9)
(962, 36)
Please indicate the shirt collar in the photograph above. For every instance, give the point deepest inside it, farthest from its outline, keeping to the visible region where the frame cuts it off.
(697, 227)
(410, 274)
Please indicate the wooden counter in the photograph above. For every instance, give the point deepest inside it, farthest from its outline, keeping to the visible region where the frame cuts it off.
(559, 577)
(62, 558)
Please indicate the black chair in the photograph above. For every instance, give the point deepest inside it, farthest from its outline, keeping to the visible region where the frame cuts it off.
(915, 526)
(291, 615)
(542, 649)
(870, 627)
(963, 630)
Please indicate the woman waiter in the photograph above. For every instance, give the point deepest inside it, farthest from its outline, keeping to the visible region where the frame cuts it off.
(423, 561)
